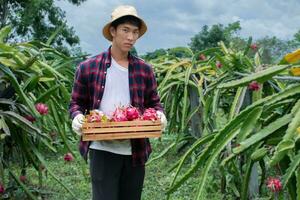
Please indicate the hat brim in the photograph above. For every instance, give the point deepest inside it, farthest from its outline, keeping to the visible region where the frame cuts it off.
(108, 36)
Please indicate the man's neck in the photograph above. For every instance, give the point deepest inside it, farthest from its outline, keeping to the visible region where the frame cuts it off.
(119, 56)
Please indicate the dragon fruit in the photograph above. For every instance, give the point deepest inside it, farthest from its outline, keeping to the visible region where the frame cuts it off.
(30, 118)
(68, 157)
(96, 116)
(150, 114)
(23, 178)
(2, 189)
(274, 184)
(202, 57)
(42, 108)
(218, 64)
(132, 113)
(119, 115)
(254, 86)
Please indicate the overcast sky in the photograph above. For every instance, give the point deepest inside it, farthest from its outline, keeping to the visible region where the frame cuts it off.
(172, 23)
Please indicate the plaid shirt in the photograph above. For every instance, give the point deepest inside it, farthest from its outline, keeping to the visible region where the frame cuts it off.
(88, 90)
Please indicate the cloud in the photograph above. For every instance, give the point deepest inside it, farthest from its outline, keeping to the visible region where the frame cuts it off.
(172, 23)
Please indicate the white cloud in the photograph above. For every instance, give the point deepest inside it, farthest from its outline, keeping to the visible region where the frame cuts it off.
(172, 23)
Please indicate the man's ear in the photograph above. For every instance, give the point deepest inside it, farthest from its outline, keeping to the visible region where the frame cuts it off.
(112, 31)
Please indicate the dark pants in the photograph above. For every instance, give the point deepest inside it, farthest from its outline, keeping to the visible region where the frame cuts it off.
(114, 177)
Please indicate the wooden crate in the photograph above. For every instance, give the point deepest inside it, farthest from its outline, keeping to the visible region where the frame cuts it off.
(121, 130)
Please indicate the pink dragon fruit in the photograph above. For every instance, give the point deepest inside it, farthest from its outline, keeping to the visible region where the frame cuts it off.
(132, 113)
(150, 114)
(253, 46)
(94, 118)
(42, 108)
(119, 115)
(218, 64)
(274, 184)
(2, 189)
(254, 86)
(30, 118)
(202, 57)
(68, 157)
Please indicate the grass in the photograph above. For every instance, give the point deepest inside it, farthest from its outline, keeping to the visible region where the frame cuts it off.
(75, 175)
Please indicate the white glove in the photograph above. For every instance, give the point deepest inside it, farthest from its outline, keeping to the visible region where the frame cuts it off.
(77, 124)
(163, 119)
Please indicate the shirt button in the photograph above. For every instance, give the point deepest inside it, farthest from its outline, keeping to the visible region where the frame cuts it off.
(104, 72)
(102, 86)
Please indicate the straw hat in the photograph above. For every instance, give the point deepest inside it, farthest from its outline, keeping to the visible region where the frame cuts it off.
(119, 12)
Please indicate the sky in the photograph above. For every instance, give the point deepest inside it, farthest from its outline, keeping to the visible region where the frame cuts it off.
(173, 23)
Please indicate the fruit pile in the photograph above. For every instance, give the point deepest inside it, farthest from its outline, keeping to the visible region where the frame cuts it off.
(121, 114)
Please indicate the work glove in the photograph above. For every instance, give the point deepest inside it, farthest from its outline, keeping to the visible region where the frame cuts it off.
(77, 124)
(162, 118)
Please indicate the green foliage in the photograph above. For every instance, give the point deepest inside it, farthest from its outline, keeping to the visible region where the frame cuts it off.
(210, 36)
(32, 73)
(38, 20)
(255, 121)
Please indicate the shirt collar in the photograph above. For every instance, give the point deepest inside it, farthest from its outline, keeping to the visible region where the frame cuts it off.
(107, 60)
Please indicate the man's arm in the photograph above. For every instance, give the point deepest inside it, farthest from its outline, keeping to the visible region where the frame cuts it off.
(79, 96)
(152, 99)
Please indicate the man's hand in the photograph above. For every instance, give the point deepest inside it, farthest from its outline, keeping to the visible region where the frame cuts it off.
(77, 124)
(163, 119)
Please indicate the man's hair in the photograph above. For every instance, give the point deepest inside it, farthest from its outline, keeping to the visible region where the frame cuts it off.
(127, 19)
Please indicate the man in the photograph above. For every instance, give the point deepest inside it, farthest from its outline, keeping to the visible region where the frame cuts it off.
(111, 79)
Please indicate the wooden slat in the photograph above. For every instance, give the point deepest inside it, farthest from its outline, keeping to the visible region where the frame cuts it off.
(121, 129)
(114, 136)
(120, 124)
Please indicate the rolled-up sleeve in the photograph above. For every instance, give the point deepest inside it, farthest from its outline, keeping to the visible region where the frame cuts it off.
(152, 99)
(79, 96)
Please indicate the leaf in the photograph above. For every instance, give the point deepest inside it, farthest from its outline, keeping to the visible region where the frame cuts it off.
(289, 135)
(220, 141)
(281, 150)
(263, 133)
(4, 33)
(212, 150)
(18, 89)
(166, 150)
(292, 168)
(250, 123)
(31, 83)
(20, 120)
(297, 172)
(237, 102)
(259, 154)
(194, 147)
(46, 95)
(4, 126)
(260, 76)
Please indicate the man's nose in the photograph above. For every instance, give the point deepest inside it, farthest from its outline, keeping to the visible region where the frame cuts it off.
(130, 36)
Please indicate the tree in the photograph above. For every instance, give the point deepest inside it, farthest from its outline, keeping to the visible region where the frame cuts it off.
(274, 48)
(209, 37)
(37, 20)
(155, 54)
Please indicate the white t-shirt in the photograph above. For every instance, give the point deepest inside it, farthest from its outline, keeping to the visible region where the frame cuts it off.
(116, 93)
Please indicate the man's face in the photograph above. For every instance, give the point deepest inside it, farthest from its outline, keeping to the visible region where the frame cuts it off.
(125, 36)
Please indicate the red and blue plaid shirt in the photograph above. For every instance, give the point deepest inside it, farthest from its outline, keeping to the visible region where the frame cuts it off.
(88, 90)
